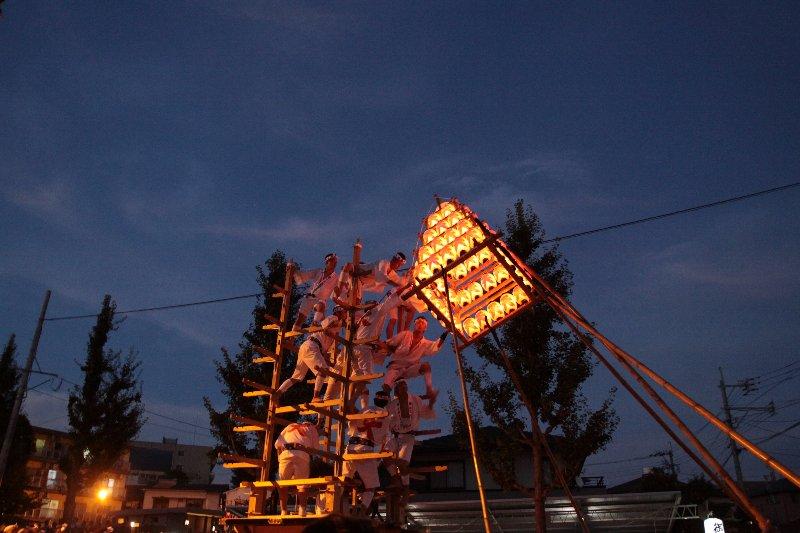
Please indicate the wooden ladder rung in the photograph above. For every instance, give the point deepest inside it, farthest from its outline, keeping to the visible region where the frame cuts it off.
(367, 416)
(321, 453)
(305, 406)
(239, 461)
(266, 355)
(365, 377)
(322, 411)
(367, 455)
(262, 426)
(259, 386)
(328, 480)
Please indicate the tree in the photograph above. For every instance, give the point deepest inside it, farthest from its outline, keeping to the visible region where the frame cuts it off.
(551, 364)
(231, 369)
(13, 499)
(105, 412)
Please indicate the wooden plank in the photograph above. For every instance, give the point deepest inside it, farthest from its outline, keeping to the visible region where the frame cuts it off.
(239, 461)
(328, 480)
(266, 355)
(365, 377)
(259, 386)
(253, 393)
(245, 429)
(305, 406)
(367, 455)
(322, 411)
(249, 421)
(271, 319)
(367, 416)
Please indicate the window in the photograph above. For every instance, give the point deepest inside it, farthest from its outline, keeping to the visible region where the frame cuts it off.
(110, 483)
(40, 444)
(52, 479)
(160, 502)
(194, 503)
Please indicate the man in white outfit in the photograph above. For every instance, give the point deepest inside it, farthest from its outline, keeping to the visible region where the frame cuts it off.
(324, 282)
(367, 436)
(293, 462)
(377, 277)
(312, 354)
(403, 426)
(407, 349)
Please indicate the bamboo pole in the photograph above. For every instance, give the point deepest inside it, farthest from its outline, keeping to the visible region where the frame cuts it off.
(467, 411)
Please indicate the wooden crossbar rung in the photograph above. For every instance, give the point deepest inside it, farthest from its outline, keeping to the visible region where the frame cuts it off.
(254, 393)
(239, 461)
(262, 360)
(245, 429)
(250, 421)
(271, 319)
(266, 355)
(365, 377)
(258, 386)
(332, 374)
(305, 406)
(328, 480)
(365, 456)
(367, 416)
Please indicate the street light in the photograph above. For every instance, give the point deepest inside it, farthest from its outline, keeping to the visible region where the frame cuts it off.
(102, 494)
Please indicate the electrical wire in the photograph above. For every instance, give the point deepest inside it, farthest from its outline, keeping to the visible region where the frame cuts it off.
(673, 213)
(555, 239)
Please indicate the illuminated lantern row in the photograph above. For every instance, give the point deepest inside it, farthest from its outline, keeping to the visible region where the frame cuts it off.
(485, 282)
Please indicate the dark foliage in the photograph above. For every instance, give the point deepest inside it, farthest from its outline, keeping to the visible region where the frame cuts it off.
(105, 412)
(232, 368)
(13, 499)
(552, 365)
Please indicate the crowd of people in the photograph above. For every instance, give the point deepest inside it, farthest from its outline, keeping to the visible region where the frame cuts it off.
(48, 526)
(392, 418)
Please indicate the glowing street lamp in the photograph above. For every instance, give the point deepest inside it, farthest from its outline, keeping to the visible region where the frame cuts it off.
(464, 271)
(103, 494)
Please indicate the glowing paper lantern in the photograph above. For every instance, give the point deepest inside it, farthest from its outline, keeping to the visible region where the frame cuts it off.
(461, 260)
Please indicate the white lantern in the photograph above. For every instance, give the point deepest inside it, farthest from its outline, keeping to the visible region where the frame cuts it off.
(713, 525)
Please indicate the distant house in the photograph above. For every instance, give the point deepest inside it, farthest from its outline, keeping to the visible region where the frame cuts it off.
(151, 461)
(172, 507)
(779, 500)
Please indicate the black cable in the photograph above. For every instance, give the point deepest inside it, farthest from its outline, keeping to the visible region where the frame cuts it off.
(160, 308)
(555, 239)
(673, 213)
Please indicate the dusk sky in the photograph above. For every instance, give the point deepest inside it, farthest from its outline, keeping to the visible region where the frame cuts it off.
(159, 151)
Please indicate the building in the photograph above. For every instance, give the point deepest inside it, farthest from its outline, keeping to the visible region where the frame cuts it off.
(778, 499)
(151, 461)
(169, 507)
(46, 480)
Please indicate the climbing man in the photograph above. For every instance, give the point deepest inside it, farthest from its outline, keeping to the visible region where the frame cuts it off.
(324, 282)
(294, 462)
(407, 349)
(367, 436)
(312, 354)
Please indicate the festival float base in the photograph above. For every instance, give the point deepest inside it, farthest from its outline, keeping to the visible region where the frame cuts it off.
(292, 523)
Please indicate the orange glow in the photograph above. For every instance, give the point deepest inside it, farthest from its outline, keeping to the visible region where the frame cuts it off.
(481, 288)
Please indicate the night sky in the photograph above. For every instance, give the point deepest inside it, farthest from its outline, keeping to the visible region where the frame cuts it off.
(159, 151)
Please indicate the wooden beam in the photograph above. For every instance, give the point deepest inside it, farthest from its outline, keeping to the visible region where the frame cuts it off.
(246, 429)
(321, 453)
(332, 374)
(305, 406)
(367, 416)
(239, 461)
(259, 386)
(328, 480)
(250, 421)
(367, 455)
(324, 412)
(365, 377)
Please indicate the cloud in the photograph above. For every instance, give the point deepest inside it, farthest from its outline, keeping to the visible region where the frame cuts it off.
(53, 201)
(292, 229)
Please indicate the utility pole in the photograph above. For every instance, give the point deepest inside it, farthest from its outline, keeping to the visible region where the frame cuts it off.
(735, 450)
(22, 387)
(747, 385)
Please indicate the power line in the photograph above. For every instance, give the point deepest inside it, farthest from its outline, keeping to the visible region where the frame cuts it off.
(159, 308)
(673, 213)
(555, 239)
